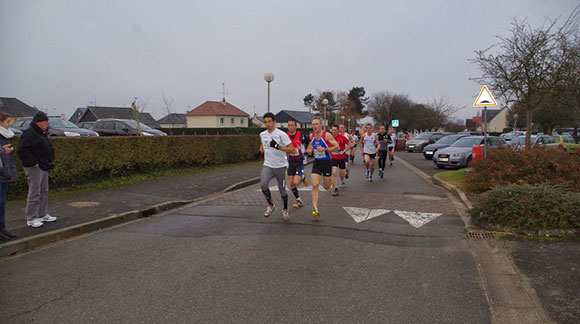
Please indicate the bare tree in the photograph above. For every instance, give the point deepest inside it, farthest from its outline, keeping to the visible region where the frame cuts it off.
(442, 109)
(525, 66)
(167, 105)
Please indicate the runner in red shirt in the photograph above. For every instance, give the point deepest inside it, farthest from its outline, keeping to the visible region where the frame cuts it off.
(339, 158)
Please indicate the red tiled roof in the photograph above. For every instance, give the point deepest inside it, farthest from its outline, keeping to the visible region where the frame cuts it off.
(216, 108)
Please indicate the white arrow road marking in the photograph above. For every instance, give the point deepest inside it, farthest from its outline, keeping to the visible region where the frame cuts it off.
(417, 219)
(363, 214)
(309, 188)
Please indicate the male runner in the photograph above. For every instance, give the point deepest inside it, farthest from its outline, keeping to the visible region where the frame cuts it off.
(383, 152)
(339, 159)
(392, 145)
(275, 145)
(369, 145)
(321, 144)
(342, 131)
(295, 160)
(353, 149)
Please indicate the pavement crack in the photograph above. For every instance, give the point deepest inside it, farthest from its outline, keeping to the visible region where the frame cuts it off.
(37, 308)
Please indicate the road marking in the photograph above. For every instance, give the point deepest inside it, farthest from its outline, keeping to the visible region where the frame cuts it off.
(417, 219)
(309, 188)
(363, 214)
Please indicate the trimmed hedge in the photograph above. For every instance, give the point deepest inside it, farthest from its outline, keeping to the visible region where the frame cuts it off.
(527, 207)
(534, 166)
(82, 160)
(223, 131)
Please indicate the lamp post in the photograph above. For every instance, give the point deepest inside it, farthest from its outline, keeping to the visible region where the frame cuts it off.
(325, 103)
(269, 77)
(515, 122)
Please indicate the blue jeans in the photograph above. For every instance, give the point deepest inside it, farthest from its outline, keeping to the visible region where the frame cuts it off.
(3, 192)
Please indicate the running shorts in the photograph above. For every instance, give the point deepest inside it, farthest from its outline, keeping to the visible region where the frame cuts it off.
(340, 163)
(322, 167)
(373, 156)
(294, 167)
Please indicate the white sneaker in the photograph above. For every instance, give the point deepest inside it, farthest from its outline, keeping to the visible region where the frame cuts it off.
(48, 219)
(269, 210)
(285, 216)
(37, 222)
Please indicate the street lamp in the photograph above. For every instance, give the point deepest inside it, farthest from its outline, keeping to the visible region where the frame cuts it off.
(269, 77)
(515, 121)
(325, 103)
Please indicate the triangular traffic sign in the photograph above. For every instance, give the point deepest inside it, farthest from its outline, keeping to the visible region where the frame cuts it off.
(485, 98)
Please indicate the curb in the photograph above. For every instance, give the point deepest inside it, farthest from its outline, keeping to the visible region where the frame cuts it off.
(36, 241)
(453, 189)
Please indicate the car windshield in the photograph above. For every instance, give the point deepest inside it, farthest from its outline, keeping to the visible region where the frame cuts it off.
(522, 140)
(61, 123)
(422, 136)
(133, 125)
(467, 142)
(447, 140)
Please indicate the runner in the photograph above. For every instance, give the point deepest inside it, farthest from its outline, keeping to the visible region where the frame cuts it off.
(383, 151)
(321, 143)
(369, 145)
(353, 149)
(295, 161)
(339, 159)
(342, 131)
(275, 145)
(392, 145)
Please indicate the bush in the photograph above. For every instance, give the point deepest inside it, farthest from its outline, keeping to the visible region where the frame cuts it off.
(527, 207)
(223, 131)
(534, 166)
(82, 160)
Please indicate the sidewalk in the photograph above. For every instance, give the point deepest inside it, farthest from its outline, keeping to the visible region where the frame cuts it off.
(84, 207)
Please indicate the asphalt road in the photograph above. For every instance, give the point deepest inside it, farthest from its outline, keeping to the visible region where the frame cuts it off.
(390, 251)
(418, 161)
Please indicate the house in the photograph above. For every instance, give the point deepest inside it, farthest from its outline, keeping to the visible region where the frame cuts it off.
(496, 120)
(93, 113)
(302, 118)
(258, 121)
(16, 108)
(212, 114)
(173, 120)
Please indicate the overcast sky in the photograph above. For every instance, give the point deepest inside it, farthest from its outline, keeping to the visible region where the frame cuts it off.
(64, 54)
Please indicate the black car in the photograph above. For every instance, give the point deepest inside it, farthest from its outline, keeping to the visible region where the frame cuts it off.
(443, 142)
(56, 127)
(123, 127)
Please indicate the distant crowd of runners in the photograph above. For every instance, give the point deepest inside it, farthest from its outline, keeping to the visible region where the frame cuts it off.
(285, 154)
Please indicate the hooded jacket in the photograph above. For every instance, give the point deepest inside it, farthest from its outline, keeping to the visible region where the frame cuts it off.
(35, 148)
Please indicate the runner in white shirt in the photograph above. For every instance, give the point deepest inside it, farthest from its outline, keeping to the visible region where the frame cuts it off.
(275, 145)
(392, 145)
(369, 143)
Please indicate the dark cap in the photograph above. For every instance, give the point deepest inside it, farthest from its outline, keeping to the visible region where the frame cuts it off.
(39, 117)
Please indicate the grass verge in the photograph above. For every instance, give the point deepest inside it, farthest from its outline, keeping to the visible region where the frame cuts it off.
(455, 177)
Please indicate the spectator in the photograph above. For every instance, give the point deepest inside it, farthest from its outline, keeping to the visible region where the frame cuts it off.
(407, 136)
(37, 156)
(8, 171)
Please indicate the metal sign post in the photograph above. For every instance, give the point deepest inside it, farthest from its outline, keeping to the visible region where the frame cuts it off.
(484, 99)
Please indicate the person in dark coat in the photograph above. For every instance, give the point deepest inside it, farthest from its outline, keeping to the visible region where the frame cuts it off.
(37, 156)
(8, 171)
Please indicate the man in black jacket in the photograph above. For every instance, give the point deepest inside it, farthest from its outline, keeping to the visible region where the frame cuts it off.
(37, 156)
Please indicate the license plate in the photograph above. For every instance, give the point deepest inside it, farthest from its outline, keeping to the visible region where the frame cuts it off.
(443, 159)
(428, 152)
(411, 146)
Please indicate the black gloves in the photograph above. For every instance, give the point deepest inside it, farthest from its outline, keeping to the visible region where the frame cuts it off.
(258, 155)
(274, 144)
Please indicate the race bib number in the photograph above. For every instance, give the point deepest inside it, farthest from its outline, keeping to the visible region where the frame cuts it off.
(318, 154)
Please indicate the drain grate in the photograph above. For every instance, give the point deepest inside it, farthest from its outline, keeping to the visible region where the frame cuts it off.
(480, 235)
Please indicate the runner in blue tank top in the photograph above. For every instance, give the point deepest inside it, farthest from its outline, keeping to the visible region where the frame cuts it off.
(321, 143)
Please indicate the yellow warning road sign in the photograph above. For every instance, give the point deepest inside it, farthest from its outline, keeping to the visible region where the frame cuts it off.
(485, 98)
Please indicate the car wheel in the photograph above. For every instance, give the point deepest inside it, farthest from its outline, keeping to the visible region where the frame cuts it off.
(468, 163)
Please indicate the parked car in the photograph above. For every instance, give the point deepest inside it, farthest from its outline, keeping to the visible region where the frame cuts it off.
(417, 143)
(511, 135)
(16, 131)
(442, 143)
(565, 142)
(56, 127)
(547, 141)
(86, 125)
(123, 127)
(458, 154)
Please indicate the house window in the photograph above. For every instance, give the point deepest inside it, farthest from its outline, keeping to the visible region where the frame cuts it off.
(232, 121)
(222, 121)
(241, 121)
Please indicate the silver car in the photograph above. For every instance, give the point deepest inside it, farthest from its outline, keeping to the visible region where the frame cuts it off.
(546, 141)
(458, 155)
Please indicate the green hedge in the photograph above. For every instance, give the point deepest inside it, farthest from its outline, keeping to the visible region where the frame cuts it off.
(82, 160)
(222, 131)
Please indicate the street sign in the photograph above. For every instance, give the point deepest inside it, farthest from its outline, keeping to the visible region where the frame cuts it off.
(395, 123)
(485, 98)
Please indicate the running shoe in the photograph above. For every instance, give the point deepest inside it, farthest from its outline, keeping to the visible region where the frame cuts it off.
(346, 176)
(298, 204)
(285, 216)
(342, 185)
(381, 173)
(391, 163)
(315, 213)
(370, 178)
(305, 181)
(335, 192)
(368, 174)
(269, 210)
